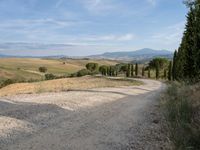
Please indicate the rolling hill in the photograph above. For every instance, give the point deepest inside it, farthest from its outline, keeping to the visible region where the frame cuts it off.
(137, 55)
(27, 68)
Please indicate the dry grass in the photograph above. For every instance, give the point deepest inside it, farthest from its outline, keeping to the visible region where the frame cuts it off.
(64, 84)
(27, 68)
(182, 103)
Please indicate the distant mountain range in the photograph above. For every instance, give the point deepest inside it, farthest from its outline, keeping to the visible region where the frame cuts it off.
(137, 55)
(142, 55)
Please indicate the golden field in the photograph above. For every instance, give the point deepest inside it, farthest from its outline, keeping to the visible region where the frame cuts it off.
(27, 68)
(65, 84)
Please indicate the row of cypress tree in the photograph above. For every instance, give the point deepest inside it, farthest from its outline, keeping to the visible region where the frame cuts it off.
(132, 70)
(186, 61)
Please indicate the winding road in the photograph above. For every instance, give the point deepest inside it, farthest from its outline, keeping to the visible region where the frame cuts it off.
(102, 119)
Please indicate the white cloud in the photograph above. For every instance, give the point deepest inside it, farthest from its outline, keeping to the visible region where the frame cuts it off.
(110, 38)
(32, 30)
(20, 23)
(126, 37)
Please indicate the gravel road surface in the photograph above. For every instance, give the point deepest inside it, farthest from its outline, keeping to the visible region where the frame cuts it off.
(102, 119)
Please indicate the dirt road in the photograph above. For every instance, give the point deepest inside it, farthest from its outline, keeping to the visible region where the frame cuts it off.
(106, 118)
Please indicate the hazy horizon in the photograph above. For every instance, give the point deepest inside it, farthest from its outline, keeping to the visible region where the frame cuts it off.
(62, 52)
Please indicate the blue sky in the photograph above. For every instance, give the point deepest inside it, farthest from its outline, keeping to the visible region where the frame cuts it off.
(86, 27)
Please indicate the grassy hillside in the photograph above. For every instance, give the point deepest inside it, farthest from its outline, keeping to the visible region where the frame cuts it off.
(27, 68)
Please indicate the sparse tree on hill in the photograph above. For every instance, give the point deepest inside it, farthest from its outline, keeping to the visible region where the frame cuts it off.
(92, 66)
(42, 69)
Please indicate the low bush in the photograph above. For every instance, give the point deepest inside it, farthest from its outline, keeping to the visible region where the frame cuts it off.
(73, 75)
(83, 72)
(50, 76)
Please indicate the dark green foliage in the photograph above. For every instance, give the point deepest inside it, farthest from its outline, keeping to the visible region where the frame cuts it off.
(128, 70)
(103, 70)
(170, 71)
(83, 72)
(196, 52)
(113, 70)
(118, 69)
(132, 70)
(161, 63)
(42, 69)
(92, 67)
(110, 71)
(189, 46)
(187, 59)
(158, 64)
(123, 68)
(136, 69)
(50, 76)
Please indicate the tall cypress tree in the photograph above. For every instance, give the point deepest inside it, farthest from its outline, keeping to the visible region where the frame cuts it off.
(143, 71)
(189, 44)
(197, 41)
(180, 60)
(136, 69)
(127, 70)
(187, 59)
(132, 70)
(110, 71)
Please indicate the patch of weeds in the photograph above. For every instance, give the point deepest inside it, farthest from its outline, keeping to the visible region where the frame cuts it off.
(180, 113)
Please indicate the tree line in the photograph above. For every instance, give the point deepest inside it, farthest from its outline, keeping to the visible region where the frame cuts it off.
(161, 67)
(186, 60)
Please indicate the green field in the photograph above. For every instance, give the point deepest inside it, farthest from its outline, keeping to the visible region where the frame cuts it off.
(27, 68)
